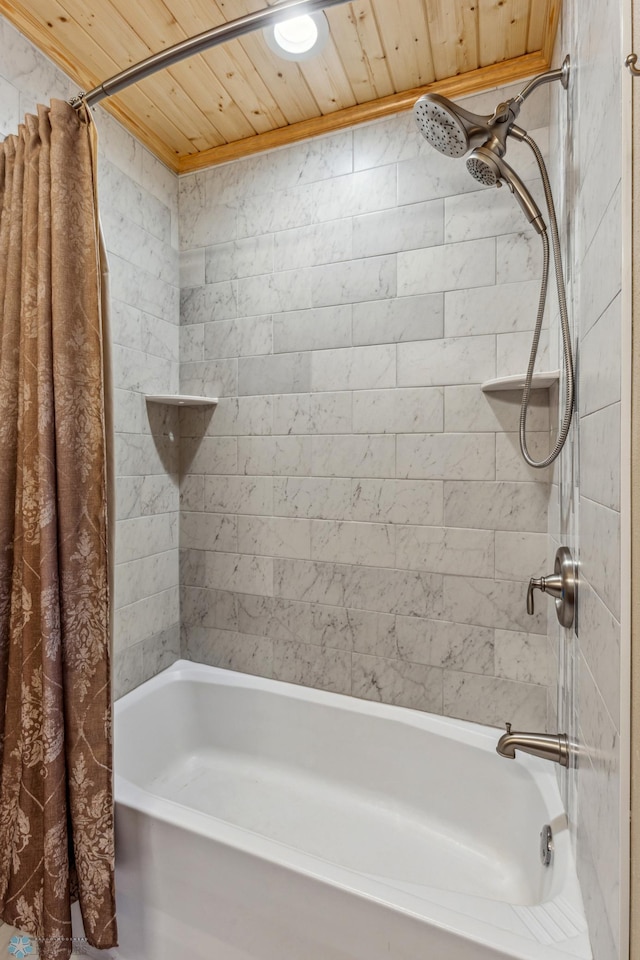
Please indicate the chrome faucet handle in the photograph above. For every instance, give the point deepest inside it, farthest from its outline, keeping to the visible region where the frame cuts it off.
(561, 585)
(507, 726)
(536, 583)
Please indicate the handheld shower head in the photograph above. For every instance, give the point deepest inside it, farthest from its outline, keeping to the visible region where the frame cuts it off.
(455, 132)
(448, 127)
(488, 168)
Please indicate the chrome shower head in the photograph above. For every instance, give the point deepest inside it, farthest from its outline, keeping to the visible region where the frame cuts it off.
(448, 127)
(486, 166)
(481, 170)
(440, 125)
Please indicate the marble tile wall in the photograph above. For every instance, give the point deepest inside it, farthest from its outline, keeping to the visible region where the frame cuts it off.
(355, 513)
(138, 200)
(586, 500)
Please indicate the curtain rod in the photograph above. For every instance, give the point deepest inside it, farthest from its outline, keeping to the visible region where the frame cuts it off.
(198, 44)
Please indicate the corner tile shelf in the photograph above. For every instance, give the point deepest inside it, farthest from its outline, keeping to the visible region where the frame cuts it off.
(181, 400)
(541, 381)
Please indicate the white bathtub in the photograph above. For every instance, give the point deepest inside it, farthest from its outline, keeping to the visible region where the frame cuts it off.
(257, 820)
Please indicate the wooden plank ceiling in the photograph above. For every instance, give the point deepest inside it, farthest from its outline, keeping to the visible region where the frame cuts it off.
(240, 98)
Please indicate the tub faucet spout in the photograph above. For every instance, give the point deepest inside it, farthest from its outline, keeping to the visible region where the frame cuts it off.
(549, 746)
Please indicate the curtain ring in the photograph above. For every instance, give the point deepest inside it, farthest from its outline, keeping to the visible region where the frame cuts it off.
(630, 62)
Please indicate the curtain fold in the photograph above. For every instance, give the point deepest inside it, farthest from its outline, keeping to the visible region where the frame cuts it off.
(56, 793)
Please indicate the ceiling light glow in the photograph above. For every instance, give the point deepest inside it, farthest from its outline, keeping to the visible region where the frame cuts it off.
(297, 35)
(298, 38)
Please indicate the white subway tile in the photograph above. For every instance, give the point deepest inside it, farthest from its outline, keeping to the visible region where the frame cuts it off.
(353, 456)
(274, 293)
(241, 495)
(448, 456)
(192, 268)
(373, 278)
(600, 451)
(505, 308)
(398, 410)
(518, 257)
(398, 501)
(401, 228)
(467, 410)
(514, 349)
(239, 573)
(286, 373)
(312, 666)
(522, 657)
(600, 551)
(372, 544)
(490, 699)
(485, 213)
(600, 366)
(520, 556)
(446, 550)
(239, 258)
(491, 603)
(275, 456)
(393, 681)
(511, 465)
(313, 329)
(496, 506)
(274, 537)
(238, 338)
(208, 531)
(438, 362)
(448, 267)
(314, 244)
(355, 368)
(312, 497)
(401, 318)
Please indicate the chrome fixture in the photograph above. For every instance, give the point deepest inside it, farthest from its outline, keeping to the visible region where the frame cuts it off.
(548, 746)
(457, 132)
(546, 845)
(630, 63)
(561, 585)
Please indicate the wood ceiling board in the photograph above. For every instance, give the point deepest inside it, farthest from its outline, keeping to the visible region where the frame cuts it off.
(453, 29)
(486, 78)
(538, 17)
(97, 64)
(366, 67)
(326, 76)
(502, 29)
(282, 77)
(137, 107)
(553, 19)
(406, 42)
(154, 24)
(232, 65)
(239, 98)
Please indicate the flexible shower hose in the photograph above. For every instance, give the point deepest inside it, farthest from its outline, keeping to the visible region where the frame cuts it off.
(564, 325)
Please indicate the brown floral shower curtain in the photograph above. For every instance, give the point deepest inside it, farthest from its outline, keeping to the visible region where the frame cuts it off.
(56, 799)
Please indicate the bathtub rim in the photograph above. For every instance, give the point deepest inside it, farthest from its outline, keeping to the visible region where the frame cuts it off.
(134, 797)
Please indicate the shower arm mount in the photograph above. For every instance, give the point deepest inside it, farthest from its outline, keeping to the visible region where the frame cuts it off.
(561, 74)
(507, 111)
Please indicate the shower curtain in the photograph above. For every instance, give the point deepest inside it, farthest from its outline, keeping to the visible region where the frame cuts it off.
(56, 795)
